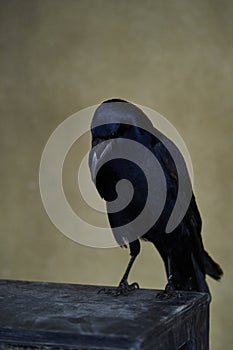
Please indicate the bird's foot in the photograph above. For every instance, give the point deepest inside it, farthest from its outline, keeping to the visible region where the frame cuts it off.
(169, 292)
(170, 286)
(168, 295)
(123, 289)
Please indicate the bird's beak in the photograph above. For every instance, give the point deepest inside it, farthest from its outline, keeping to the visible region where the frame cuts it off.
(97, 157)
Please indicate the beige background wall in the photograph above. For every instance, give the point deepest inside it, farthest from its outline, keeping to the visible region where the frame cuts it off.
(57, 57)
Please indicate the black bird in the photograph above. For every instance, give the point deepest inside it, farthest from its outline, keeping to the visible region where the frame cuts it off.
(186, 261)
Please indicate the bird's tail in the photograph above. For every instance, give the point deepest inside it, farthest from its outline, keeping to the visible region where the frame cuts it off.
(212, 268)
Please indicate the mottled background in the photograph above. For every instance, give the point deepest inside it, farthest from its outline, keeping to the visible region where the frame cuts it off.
(58, 57)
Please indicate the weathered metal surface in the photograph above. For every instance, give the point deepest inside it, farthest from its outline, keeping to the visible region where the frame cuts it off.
(76, 316)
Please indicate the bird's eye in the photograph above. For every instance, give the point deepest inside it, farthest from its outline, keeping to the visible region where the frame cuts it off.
(113, 134)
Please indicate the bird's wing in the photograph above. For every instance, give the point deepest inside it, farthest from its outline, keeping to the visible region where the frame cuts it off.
(189, 229)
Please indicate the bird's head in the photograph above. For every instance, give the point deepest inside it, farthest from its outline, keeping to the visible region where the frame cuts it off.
(113, 120)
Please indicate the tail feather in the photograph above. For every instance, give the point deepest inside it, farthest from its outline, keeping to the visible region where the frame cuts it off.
(212, 268)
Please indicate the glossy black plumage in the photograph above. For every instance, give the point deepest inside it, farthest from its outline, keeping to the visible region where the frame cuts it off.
(182, 250)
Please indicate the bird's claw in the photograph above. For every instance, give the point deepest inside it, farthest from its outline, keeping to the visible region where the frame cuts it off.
(169, 287)
(169, 294)
(123, 289)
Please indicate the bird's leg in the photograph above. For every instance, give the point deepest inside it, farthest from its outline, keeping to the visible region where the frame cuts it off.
(169, 291)
(170, 285)
(124, 287)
